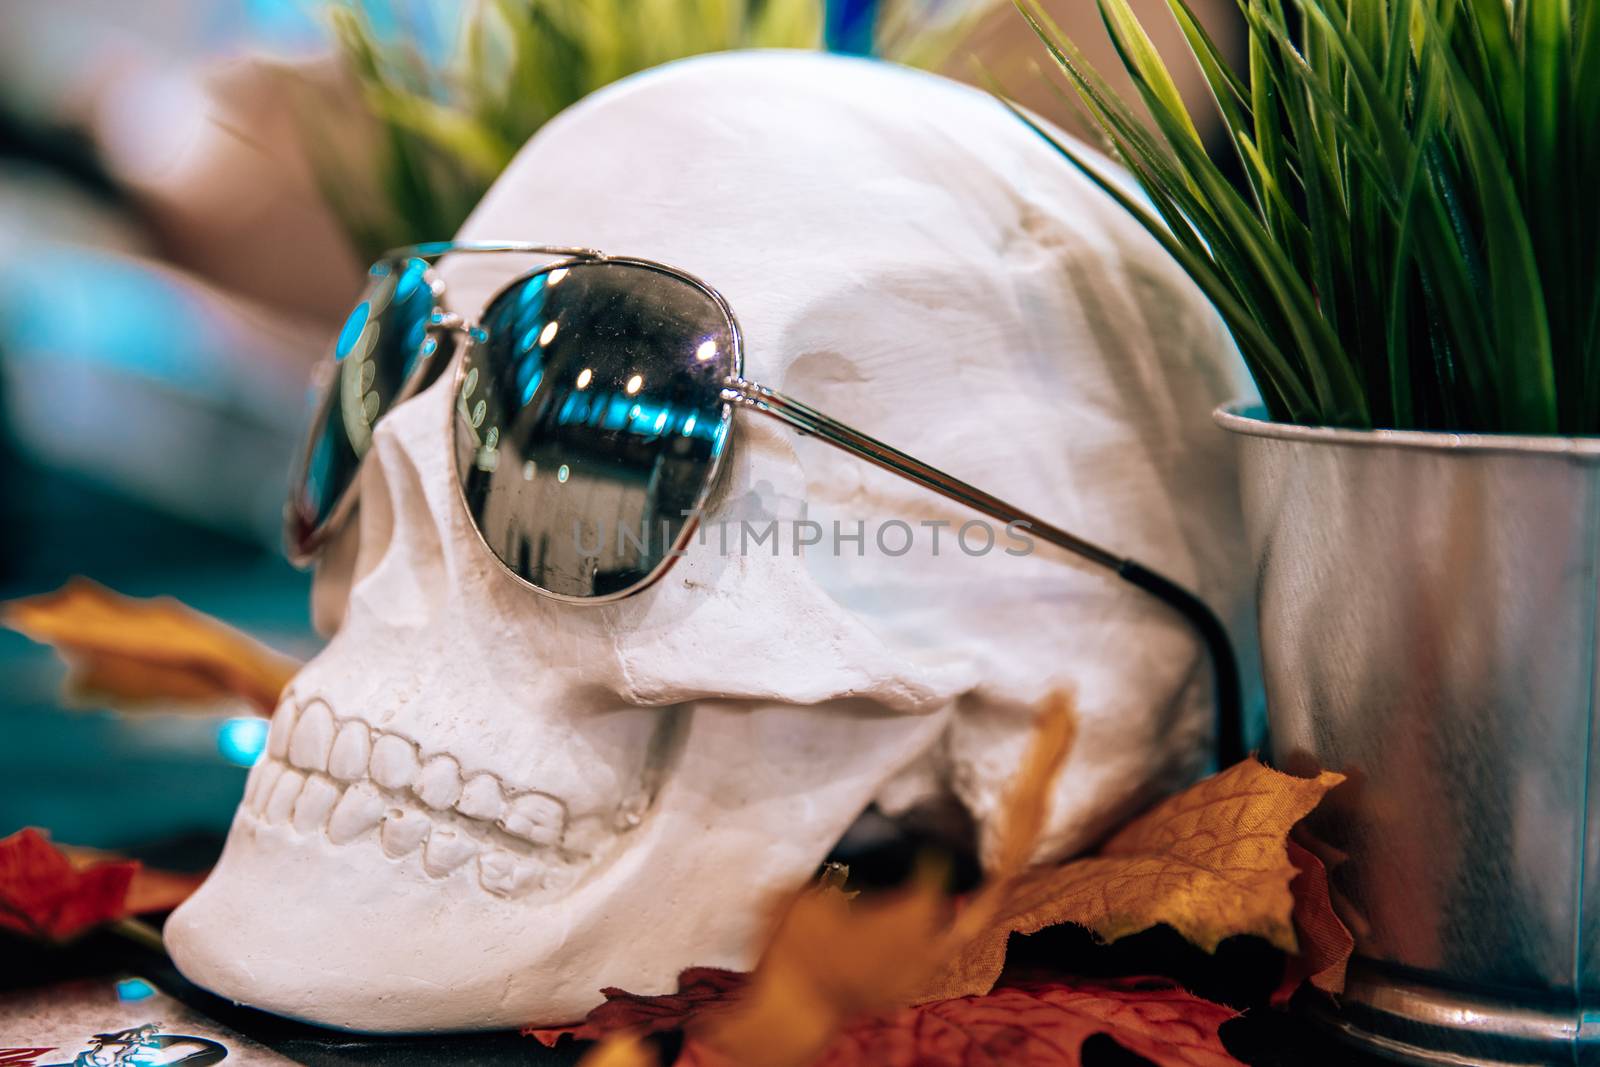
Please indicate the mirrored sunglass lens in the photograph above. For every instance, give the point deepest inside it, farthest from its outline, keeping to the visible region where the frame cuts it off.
(589, 420)
(379, 347)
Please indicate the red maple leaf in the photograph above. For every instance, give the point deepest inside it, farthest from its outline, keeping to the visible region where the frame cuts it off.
(1325, 942)
(1026, 1021)
(43, 895)
(830, 984)
(21, 1057)
(1042, 1022)
(700, 989)
(55, 892)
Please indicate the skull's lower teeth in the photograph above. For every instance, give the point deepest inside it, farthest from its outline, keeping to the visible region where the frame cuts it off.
(346, 781)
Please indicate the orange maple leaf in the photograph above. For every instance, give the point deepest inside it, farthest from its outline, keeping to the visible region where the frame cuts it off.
(1211, 862)
(128, 651)
(831, 959)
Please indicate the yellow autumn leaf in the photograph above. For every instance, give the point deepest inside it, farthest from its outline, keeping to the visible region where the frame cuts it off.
(833, 959)
(620, 1050)
(829, 961)
(130, 651)
(1027, 799)
(1211, 862)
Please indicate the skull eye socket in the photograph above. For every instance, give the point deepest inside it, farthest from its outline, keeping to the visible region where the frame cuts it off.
(589, 420)
(383, 353)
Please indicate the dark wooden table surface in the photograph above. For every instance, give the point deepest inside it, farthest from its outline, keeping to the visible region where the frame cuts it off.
(1261, 1036)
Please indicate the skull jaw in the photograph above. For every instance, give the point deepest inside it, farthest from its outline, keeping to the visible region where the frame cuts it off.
(344, 935)
(357, 943)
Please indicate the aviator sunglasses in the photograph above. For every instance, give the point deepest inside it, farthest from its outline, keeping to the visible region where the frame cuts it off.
(597, 392)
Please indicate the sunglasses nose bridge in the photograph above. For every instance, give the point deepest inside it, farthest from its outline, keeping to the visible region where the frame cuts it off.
(461, 330)
(449, 322)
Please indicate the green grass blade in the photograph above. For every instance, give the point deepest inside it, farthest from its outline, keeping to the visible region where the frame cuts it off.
(1141, 58)
(1260, 351)
(1324, 212)
(1525, 376)
(1176, 199)
(1417, 243)
(1232, 99)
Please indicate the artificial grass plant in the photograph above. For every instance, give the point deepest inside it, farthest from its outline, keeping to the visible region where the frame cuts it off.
(1415, 241)
(457, 89)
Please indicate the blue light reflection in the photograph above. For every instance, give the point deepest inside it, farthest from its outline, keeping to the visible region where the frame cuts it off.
(351, 332)
(241, 741)
(133, 989)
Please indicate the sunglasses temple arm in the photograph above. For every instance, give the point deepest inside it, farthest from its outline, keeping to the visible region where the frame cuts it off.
(1225, 667)
(439, 249)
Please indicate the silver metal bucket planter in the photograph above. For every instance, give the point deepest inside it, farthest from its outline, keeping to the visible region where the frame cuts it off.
(1428, 614)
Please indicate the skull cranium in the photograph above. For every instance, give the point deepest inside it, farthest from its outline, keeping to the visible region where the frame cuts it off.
(480, 806)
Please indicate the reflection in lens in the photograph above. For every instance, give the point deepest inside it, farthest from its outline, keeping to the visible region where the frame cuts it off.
(381, 345)
(589, 421)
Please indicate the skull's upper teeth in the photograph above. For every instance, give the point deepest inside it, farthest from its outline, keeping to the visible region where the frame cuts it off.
(342, 778)
(352, 751)
(481, 798)
(282, 726)
(312, 738)
(536, 818)
(394, 762)
(439, 782)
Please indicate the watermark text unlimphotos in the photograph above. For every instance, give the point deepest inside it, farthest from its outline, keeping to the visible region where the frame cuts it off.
(774, 536)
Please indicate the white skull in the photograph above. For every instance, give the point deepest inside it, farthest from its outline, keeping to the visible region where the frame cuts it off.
(481, 806)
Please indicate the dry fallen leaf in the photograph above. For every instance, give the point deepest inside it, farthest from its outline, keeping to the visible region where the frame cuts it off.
(619, 1050)
(1325, 942)
(42, 895)
(700, 989)
(1043, 1022)
(22, 1057)
(129, 651)
(832, 986)
(151, 889)
(1040, 1021)
(1027, 798)
(1211, 862)
(832, 960)
(48, 894)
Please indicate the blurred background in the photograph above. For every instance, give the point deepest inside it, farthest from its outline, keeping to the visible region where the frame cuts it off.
(189, 191)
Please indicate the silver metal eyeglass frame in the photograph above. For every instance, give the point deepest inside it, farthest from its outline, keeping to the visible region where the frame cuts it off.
(740, 392)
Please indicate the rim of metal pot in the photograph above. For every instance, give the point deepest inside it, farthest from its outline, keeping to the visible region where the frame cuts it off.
(1248, 418)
